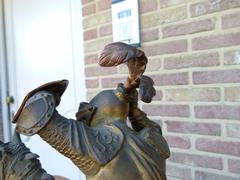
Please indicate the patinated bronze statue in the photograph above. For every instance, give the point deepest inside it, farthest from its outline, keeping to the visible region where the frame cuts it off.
(99, 142)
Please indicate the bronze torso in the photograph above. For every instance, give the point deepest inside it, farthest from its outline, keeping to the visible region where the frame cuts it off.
(137, 159)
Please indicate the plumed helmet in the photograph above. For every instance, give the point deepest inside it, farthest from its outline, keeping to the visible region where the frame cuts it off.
(111, 105)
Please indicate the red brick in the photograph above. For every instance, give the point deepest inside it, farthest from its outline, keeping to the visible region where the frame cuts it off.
(170, 79)
(178, 142)
(234, 166)
(166, 48)
(105, 30)
(163, 17)
(232, 94)
(233, 130)
(231, 20)
(104, 4)
(216, 41)
(189, 28)
(98, 71)
(90, 34)
(89, 9)
(96, 45)
(208, 7)
(86, 1)
(193, 94)
(154, 64)
(97, 19)
(168, 3)
(178, 172)
(232, 57)
(199, 175)
(149, 35)
(91, 59)
(167, 110)
(218, 146)
(217, 112)
(194, 128)
(193, 60)
(216, 77)
(92, 83)
(112, 82)
(196, 160)
(146, 6)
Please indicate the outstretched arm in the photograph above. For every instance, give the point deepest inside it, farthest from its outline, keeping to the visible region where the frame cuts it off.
(149, 130)
(69, 137)
(88, 147)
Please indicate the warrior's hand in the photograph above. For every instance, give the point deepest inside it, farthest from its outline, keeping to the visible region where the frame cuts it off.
(36, 113)
(38, 107)
(134, 101)
(136, 116)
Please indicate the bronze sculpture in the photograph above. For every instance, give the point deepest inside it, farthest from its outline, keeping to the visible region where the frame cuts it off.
(99, 142)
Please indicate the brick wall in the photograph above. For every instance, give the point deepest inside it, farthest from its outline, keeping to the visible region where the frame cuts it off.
(194, 58)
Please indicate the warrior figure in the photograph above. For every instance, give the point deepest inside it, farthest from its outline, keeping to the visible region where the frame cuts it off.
(99, 142)
(17, 162)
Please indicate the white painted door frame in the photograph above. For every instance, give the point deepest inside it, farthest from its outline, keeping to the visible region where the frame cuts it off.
(8, 66)
(4, 76)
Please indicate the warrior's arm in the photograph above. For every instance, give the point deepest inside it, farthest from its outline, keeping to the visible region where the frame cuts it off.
(138, 118)
(84, 145)
(68, 137)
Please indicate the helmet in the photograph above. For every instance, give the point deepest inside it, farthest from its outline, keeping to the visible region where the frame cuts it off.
(111, 105)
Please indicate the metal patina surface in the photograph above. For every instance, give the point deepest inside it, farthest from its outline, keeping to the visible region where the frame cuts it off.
(99, 142)
(18, 163)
